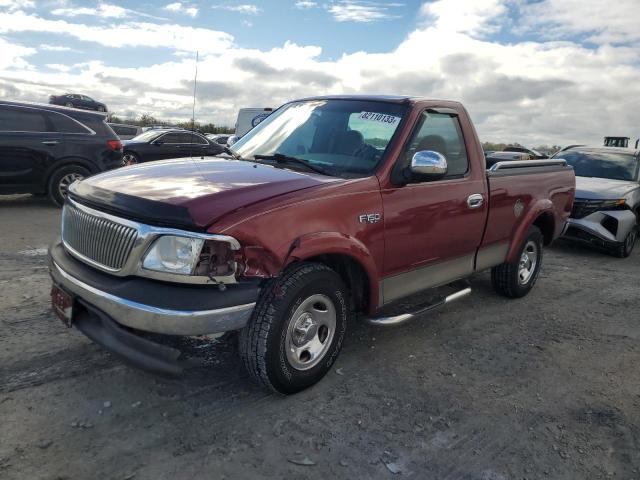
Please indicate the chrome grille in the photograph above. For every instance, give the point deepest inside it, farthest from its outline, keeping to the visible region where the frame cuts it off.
(100, 240)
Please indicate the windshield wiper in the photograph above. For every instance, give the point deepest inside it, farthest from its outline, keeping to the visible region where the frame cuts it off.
(281, 158)
(230, 152)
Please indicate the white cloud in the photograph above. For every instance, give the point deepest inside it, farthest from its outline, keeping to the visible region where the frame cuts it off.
(54, 48)
(103, 10)
(479, 16)
(182, 8)
(363, 11)
(58, 67)
(132, 34)
(13, 5)
(302, 4)
(13, 56)
(246, 8)
(603, 22)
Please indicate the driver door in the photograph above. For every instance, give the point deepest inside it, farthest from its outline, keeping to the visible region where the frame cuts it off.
(433, 227)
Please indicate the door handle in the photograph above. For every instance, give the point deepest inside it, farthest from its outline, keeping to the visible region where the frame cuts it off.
(51, 143)
(475, 201)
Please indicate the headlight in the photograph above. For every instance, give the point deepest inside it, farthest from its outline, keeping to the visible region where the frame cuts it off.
(173, 254)
(613, 204)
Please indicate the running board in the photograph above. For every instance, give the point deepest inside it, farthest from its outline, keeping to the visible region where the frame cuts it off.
(405, 317)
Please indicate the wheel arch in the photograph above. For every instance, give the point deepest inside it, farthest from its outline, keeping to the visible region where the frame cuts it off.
(547, 224)
(346, 256)
(540, 215)
(65, 162)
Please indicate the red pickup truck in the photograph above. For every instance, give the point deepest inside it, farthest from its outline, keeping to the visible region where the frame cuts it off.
(331, 207)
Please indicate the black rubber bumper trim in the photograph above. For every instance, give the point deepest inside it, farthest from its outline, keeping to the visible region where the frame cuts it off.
(135, 350)
(170, 296)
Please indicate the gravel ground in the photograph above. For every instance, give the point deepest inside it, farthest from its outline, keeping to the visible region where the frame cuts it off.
(543, 387)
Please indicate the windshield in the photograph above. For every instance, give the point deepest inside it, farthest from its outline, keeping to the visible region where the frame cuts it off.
(148, 135)
(346, 138)
(613, 165)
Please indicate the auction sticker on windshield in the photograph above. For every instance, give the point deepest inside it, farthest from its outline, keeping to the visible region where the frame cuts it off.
(379, 118)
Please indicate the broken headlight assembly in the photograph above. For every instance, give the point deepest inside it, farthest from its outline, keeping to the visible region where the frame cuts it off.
(192, 259)
(173, 254)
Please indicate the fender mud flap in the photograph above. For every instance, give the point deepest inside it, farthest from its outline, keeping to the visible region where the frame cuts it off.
(135, 350)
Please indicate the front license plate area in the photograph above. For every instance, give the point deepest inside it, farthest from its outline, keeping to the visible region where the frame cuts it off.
(62, 304)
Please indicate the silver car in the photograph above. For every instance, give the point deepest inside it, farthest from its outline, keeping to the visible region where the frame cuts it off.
(607, 204)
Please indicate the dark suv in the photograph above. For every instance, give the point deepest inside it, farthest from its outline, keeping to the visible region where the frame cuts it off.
(164, 143)
(77, 101)
(43, 148)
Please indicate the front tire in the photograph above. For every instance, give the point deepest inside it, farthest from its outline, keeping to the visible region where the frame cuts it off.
(61, 179)
(625, 249)
(516, 279)
(297, 328)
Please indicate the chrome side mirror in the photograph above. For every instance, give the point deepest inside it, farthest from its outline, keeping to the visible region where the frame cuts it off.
(429, 163)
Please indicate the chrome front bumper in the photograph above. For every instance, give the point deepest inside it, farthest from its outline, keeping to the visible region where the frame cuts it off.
(150, 318)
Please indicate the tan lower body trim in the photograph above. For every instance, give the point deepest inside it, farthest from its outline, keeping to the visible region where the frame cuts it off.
(491, 256)
(408, 283)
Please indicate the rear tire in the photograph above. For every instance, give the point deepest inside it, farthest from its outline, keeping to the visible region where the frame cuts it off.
(297, 328)
(61, 179)
(516, 279)
(130, 158)
(624, 250)
(68, 104)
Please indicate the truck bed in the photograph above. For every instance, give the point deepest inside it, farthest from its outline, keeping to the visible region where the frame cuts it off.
(523, 190)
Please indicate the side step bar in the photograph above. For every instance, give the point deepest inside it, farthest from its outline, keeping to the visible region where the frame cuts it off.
(405, 317)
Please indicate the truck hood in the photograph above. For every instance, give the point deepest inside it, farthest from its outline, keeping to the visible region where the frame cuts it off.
(593, 188)
(189, 192)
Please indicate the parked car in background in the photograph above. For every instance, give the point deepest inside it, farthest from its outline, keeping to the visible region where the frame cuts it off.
(533, 153)
(221, 138)
(76, 100)
(249, 118)
(44, 148)
(126, 132)
(504, 156)
(162, 143)
(330, 208)
(607, 205)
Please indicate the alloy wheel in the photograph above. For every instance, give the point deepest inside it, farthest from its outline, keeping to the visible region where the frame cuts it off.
(66, 181)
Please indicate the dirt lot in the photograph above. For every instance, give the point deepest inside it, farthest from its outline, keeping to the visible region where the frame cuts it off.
(543, 387)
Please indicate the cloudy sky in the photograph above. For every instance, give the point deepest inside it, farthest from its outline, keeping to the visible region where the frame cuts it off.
(544, 71)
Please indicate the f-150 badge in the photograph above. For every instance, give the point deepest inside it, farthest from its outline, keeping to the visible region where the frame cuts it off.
(370, 218)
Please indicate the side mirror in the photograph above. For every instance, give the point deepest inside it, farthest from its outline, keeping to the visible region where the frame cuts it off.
(428, 163)
(158, 143)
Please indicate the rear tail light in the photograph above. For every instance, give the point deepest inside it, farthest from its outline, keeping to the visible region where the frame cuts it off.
(115, 145)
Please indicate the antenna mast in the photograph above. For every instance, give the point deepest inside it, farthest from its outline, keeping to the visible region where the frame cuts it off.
(195, 84)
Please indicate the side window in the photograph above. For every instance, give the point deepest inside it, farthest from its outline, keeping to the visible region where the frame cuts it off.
(16, 119)
(65, 124)
(171, 138)
(200, 140)
(440, 132)
(186, 138)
